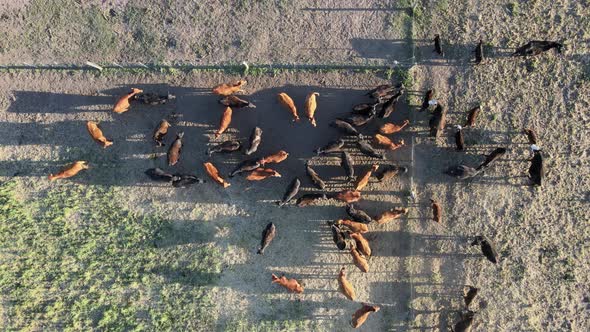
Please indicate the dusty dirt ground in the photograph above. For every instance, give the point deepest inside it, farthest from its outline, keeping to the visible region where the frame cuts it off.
(419, 268)
(53, 119)
(205, 32)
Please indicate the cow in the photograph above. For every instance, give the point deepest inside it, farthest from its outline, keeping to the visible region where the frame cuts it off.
(227, 89)
(286, 101)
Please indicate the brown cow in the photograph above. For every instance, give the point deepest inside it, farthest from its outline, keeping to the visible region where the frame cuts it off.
(229, 88)
(472, 116)
(124, 102)
(97, 135)
(236, 102)
(70, 171)
(361, 315)
(436, 211)
(160, 132)
(362, 244)
(362, 181)
(348, 196)
(175, 150)
(275, 158)
(345, 285)
(531, 135)
(391, 128)
(383, 140)
(262, 173)
(214, 174)
(359, 260)
(310, 107)
(224, 122)
(390, 215)
(286, 101)
(355, 227)
(291, 285)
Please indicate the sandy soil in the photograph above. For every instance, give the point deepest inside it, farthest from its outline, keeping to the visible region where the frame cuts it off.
(206, 32)
(541, 282)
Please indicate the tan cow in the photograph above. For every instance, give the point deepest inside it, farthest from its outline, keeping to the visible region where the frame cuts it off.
(97, 134)
(359, 260)
(391, 128)
(214, 174)
(362, 244)
(262, 173)
(224, 122)
(345, 285)
(356, 227)
(275, 158)
(390, 215)
(70, 171)
(310, 107)
(348, 196)
(124, 102)
(361, 315)
(286, 101)
(385, 141)
(227, 89)
(291, 285)
(362, 181)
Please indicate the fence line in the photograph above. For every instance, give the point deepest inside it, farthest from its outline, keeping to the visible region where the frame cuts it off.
(243, 67)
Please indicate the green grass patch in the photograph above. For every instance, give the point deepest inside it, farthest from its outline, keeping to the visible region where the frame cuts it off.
(75, 259)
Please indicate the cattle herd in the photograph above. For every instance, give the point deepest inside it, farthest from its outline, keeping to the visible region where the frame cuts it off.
(347, 234)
